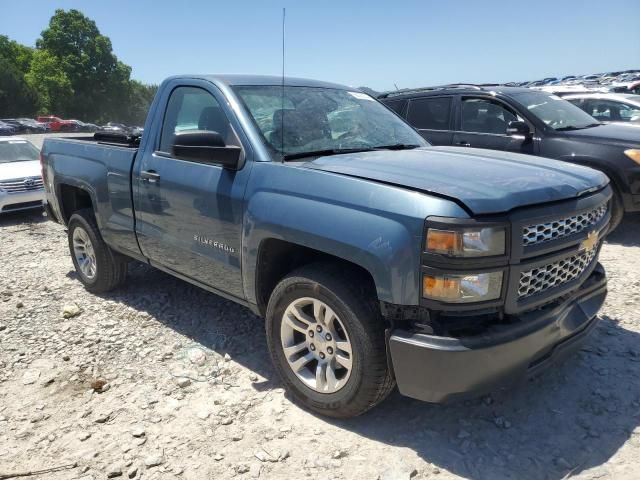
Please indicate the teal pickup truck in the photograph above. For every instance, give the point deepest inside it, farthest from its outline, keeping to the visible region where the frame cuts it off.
(375, 258)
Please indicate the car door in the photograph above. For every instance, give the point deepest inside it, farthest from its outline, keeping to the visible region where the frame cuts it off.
(188, 213)
(482, 123)
(432, 117)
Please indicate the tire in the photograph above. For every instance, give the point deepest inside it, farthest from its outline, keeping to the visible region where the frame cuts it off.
(110, 268)
(617, 210)
(357, 318)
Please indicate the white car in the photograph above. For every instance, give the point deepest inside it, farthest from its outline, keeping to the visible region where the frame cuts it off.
(21, 184)
(609, 107)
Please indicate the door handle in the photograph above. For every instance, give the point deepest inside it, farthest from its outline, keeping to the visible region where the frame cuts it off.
(150, 176)
(464, 143)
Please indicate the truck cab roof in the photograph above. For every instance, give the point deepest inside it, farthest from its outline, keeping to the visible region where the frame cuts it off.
(238, 79)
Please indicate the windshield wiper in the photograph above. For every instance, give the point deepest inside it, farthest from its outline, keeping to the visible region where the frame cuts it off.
(323, 153)
(396, 146)
(574, 127)
(339, 151)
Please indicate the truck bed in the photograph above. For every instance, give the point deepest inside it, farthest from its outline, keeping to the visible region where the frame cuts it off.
(103, 171)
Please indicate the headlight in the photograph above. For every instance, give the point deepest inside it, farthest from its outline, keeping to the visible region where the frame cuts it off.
(462, 288)
(467, 242)
(633, 154)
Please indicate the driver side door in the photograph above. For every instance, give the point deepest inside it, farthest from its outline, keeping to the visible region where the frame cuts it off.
(482, 123)
(189, 214)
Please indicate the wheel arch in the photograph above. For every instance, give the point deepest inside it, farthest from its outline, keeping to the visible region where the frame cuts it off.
(73, 198)
(277, 258)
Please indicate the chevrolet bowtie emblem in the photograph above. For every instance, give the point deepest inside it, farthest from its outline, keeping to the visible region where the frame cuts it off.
(590, 242)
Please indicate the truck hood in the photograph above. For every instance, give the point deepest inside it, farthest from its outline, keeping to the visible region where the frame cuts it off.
(615, 133)
(14, 170)
(484, 181)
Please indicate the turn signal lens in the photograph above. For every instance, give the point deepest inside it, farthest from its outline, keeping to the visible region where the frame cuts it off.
(468, 242)
(441, 287)
(633, 154)
(443, 241)
(462, 288)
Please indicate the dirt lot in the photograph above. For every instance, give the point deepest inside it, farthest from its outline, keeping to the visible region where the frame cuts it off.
(189, 392)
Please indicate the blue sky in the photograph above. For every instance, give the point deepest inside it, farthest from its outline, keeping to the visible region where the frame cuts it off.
(372, 43)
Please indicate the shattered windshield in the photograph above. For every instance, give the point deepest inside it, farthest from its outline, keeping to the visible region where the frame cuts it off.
(299, 120)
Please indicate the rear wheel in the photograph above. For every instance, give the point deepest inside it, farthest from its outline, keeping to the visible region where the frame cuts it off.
(326, 340)
(99, 268)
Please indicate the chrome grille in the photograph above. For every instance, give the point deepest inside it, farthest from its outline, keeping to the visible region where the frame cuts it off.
(22, 184)
(562, 227)
(554, 274)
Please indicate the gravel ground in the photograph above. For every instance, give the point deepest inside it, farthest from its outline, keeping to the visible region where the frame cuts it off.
(162, 380)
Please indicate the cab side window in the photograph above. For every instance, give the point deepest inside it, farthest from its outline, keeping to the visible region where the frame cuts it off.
(483, 115)
(430, 113)
(192, 108)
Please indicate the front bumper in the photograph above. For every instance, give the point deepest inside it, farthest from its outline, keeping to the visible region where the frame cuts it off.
(12, 202)
(441, 369)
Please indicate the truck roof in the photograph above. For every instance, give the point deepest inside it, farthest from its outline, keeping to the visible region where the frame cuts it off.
(233, 80)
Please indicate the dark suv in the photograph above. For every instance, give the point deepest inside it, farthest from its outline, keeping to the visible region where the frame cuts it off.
(525, 121)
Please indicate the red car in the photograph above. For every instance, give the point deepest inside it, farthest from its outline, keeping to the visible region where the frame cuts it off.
(56, 124)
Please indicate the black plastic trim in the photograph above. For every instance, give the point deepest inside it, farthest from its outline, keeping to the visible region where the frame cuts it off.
(441, 369)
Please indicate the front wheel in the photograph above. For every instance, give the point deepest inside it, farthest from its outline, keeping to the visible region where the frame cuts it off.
(99, 268)
(326, 340)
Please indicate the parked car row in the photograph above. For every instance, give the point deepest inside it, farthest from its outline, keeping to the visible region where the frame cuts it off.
(25, 125)
(51, 123)
(56, 124)
(43, 124)
(627, 81)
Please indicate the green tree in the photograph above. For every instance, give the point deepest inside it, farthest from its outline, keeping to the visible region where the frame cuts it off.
(85, 57)
(16, 97)
(72, 73)
(53, 85)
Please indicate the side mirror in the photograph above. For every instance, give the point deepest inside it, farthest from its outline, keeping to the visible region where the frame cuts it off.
(517, 127)
(205, 147)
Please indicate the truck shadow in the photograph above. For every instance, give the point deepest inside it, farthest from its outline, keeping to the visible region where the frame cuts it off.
(570, 419)
(628, 233)
(573, 418)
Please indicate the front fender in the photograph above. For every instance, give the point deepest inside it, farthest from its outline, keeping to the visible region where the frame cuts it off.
(384, 247)
(375, 226)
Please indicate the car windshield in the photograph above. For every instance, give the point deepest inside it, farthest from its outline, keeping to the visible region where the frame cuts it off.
(555, 112)
(18, 151)
(306, 121)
